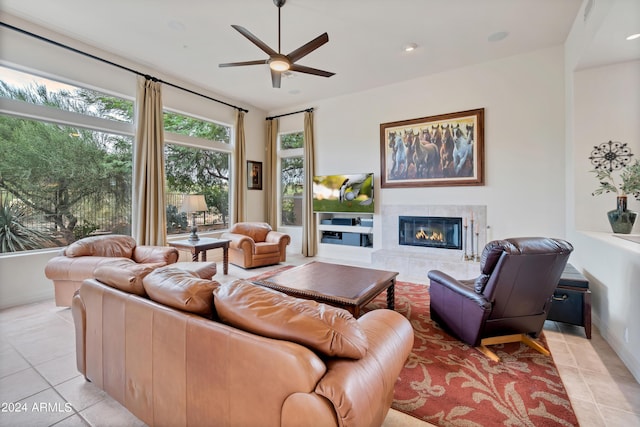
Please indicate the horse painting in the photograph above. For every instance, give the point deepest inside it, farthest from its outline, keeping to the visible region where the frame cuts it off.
(442, 150)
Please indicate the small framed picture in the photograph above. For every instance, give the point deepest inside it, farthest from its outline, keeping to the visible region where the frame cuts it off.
(254, 175)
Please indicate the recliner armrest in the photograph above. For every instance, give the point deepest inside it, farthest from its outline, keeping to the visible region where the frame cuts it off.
(463, 288)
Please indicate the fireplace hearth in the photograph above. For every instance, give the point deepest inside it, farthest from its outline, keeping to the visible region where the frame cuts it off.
(430, 231)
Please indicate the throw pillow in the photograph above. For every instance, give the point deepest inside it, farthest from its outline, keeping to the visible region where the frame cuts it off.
(329, 330)
(123, 274)
(181, 289)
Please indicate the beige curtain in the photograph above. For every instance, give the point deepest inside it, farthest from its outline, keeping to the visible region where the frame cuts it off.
(271, 170)
(309, 237)
(240, 187)
(149, 222)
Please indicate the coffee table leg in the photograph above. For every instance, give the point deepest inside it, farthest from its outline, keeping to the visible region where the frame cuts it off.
(225, 259)
(194, 255)
(391, 297)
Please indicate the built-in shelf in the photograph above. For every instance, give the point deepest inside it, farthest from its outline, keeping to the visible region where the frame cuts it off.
(345, 229)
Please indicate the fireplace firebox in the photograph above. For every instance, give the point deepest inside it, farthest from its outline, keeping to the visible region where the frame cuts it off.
(430, 231)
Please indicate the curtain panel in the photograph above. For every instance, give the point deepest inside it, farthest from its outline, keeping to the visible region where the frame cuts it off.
(149, 223)
(240, 181)
(309, 236)
(271, 170)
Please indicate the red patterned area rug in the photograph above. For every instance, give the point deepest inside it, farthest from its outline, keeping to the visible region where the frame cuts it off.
(448, 383)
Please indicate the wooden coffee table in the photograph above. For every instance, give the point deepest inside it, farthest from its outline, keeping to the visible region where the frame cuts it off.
(343, 286)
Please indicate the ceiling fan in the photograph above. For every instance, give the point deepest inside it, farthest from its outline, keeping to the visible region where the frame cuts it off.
(279, 63)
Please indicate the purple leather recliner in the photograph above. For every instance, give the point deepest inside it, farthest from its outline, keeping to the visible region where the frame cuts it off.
(512, 295)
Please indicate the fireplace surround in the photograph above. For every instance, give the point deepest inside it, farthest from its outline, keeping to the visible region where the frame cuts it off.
(414, 262)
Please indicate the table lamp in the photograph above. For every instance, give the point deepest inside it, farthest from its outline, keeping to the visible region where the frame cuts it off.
(192, 204)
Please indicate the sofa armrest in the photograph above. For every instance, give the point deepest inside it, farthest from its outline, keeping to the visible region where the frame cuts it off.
(353, 385)
(277, 237)
(240, 241)
(155, 255)
(76, 268)
(282, 240)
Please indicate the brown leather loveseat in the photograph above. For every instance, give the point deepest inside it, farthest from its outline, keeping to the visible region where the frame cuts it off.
(79, 260)
(255, 244)
(248, 356)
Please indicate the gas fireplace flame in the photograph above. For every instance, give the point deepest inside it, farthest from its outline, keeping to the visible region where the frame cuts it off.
(432, 236)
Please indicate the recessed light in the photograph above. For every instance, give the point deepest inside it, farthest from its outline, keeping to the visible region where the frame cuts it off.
(634, 36)
(496, 37)
(176, 25)
(410, 47)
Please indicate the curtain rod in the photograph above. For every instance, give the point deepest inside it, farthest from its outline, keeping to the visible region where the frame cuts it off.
(147, 76)
(308, 110)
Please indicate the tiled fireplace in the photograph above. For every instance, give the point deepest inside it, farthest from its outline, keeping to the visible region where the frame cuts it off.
(425, 251)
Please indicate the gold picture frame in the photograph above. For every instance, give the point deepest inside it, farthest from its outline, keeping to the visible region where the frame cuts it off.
(442, 150)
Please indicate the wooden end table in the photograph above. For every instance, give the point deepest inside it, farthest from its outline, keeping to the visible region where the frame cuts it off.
(202, 246)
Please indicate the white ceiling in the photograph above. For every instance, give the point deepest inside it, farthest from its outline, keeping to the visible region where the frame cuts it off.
(187, 39)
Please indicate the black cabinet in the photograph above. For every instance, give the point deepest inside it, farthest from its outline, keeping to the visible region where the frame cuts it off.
(572, 300)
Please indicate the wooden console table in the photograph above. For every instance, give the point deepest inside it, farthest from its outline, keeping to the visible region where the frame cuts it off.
(202, 246)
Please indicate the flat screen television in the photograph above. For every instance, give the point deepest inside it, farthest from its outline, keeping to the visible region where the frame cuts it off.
(343, 193)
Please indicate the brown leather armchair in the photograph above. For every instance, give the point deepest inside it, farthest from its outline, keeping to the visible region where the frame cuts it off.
(510, 299)
(79, 260)
(255, 244)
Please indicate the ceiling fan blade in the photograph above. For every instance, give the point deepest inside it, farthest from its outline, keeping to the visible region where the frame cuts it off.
(308, 48)
(238, 64)
(309, 70)
(276, 76)
(253, 39)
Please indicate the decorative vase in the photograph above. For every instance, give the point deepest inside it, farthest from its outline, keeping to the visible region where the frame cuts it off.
(621, 219)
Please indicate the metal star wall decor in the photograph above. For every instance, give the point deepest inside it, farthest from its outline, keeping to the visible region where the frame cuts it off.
(610, 156)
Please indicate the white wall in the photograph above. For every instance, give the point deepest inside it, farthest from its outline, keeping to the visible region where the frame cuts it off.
(607, 107)
(602, 104)
(523, 98)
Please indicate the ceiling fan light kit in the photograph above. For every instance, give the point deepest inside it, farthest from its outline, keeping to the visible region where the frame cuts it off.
(279, 63)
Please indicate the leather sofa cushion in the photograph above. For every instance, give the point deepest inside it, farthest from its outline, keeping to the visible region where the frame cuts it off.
(124, 274)
(181, 289)
(329, 330)
(107, 246)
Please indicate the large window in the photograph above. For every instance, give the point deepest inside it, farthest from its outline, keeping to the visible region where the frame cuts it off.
(197, 163)
(65, 163)
(291, 178)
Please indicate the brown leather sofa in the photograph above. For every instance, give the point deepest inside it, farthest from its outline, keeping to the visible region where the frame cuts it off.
(255, 244)
(79, 260)
(254, 357)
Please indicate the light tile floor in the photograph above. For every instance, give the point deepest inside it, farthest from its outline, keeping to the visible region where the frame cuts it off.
(40, 386)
